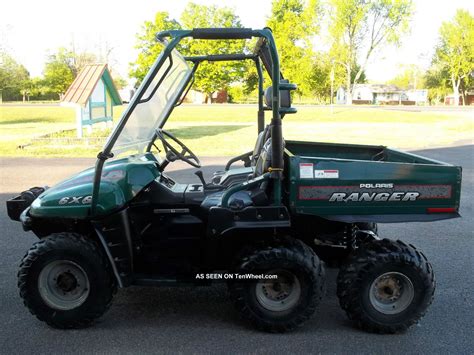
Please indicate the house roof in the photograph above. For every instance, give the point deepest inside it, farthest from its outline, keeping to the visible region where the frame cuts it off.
(380, 88)
(82, 87)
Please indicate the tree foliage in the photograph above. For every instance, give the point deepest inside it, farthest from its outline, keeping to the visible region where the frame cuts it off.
(210, 77)
(410, 78)
(149, 47)
(359, 27)
(62, 67)
(59, 71)
(294, 24)
(320, 79)
(438, 83)
(13, 76)
(455, 50)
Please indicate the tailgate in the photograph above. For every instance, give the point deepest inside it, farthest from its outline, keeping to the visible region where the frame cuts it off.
(409, 188)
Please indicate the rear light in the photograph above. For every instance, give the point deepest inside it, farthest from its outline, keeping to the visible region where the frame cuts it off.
(441, 210)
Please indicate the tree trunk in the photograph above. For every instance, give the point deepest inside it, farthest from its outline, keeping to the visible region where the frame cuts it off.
(456, 91)
(1, 96)
(348, 86)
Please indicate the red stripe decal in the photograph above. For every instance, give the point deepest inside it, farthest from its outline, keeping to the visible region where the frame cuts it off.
(441, 210)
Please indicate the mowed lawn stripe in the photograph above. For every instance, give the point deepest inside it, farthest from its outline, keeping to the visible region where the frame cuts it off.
(224, 130)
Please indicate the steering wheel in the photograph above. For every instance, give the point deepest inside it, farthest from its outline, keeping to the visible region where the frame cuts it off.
(172, 154)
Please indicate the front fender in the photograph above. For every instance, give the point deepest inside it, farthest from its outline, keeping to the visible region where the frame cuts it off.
(121, 181)
(74, 201)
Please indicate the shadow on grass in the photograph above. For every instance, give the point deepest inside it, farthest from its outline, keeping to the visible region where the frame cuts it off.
(191, 132)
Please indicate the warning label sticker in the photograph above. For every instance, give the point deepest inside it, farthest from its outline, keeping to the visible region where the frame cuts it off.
(306, 171)
(326, 174)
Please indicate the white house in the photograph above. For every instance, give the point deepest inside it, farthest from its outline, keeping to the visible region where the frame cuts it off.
(366, 94)
(419, 96)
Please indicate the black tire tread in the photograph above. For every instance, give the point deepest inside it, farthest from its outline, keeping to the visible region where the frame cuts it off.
(53, 242)
(380, 251)
(283, 248)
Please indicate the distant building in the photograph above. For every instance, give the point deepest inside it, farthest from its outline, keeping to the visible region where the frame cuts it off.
(127, 93)
(93, 94)
(469, 98)
(382, 94)
(418, 96)
(197, 97)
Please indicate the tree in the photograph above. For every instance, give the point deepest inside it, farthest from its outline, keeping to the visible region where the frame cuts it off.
(26, 88)
(294, 23)
(437, 82)
(62, 67)
(119, 82)
(149, 47)
(455, 50)
(359, 27)
(59, 71)
(12, 74)
(320, 80)
(411, 78)
(213, 76)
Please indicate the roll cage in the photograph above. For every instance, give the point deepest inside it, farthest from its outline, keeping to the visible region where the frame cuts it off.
(264, 53)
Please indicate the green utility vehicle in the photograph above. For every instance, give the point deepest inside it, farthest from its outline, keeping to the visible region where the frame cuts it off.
(265, 229)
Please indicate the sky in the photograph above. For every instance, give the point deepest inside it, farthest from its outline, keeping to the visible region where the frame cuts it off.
(30, 29)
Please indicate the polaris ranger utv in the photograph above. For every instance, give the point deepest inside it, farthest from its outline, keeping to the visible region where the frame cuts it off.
(267, 225)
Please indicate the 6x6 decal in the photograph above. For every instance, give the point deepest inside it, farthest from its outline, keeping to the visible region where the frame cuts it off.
(77, 200)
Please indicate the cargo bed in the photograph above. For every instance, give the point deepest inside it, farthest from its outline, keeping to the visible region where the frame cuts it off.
(362, 183)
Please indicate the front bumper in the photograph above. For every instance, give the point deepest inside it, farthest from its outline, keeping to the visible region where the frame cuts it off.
(26, 220)
(17, 205)
(18, 211)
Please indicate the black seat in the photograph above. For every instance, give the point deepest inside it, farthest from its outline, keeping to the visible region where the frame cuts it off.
(245, 198)
(237, 201)
(221, 175)
(261, 139)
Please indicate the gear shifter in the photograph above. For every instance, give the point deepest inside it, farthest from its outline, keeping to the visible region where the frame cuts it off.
(200, 176)
(205, 186)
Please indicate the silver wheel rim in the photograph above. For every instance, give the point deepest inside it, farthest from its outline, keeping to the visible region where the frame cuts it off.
(391, 293)
(63, 285)
(278, 295)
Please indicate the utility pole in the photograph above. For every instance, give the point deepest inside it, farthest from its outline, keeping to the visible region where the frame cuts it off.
(332, 86)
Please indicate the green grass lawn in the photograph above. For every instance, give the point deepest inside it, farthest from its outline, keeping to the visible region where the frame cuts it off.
(225, 130)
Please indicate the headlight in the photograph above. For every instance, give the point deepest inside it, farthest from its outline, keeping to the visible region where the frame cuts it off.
(36, 203)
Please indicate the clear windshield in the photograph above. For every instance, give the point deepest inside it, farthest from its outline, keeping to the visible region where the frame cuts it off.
(154, 105)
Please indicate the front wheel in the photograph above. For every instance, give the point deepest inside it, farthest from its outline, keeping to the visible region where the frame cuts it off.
(64, 280)
(385, 286)
(283, 303)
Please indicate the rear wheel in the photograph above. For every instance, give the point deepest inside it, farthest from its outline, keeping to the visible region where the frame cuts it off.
(65, 281)
(386, 286)
(285, 302)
